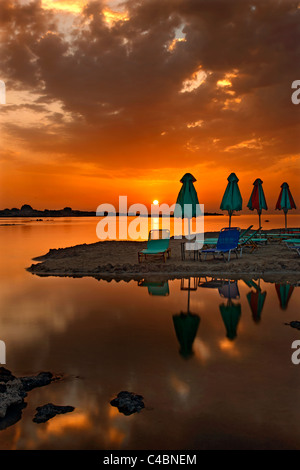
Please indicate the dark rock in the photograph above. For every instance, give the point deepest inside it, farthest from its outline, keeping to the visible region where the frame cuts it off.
(294, 324)
(13, 391)
(46, 412)
(43, 378)
(128, 403)
(12, 416)
(6, 375)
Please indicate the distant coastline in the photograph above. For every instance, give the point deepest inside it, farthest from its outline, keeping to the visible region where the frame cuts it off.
(27, 211)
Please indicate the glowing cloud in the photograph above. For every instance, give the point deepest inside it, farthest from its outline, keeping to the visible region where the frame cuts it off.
(194, 82)
(111, 17)
(72, 6)
(174, 43)
(195, 124)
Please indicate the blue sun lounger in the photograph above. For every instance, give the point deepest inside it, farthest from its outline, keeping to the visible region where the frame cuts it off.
(228, 241)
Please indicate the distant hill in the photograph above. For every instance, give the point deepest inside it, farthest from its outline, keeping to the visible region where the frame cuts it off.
(27, 211)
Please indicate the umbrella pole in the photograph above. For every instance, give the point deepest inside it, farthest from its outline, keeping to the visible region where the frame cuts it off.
(230, 214)
(189, 227)
(259, 220)
(188, 309)
(285, 219)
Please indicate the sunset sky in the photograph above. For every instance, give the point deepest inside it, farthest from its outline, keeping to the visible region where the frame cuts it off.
(107, 98)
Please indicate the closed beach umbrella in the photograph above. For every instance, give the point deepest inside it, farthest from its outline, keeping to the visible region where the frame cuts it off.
(284, 292)
(187, 204)
(257, 199)
(285, 201)
(232, 199)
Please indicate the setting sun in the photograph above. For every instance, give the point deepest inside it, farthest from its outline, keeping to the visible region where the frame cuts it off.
(155, 202)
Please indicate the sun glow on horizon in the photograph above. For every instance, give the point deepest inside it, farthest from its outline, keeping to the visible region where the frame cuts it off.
(155, 202)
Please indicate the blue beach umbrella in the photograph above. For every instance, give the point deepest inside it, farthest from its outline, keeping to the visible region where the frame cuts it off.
(232, 199)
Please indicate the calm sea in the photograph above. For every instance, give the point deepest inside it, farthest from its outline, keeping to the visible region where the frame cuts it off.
(212, 359)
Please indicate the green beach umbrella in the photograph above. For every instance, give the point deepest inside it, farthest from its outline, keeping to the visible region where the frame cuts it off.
(232, 199)
(187, 204)
(257, 199)
(284, 292)
(285, 201)
(231, 314)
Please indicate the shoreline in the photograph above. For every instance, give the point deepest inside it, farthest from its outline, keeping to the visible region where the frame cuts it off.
(119, 260)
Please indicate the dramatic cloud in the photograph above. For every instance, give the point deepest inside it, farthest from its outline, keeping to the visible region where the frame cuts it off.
(149, 89)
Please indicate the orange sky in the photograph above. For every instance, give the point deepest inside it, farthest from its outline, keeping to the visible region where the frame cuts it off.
(106, 99)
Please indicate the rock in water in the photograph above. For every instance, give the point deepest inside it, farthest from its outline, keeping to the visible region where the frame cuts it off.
(13, 391)
(294, 324)
(11, 394)
(128, 403)
(46, 412)
(6, 375)
(43, 378)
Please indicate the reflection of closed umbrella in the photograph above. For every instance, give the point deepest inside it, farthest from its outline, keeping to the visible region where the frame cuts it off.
(285, 201)
(257, 199)
(187, 204)
(230, 312)
(256, 301)
(231, 316)
(186, 326)
(232, 199)
(284, 292)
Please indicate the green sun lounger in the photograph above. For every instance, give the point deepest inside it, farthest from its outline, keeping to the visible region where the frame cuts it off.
(252, 241)
(157, 245)
(292, 244)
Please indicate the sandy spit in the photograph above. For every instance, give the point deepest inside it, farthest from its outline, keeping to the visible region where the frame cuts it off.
(119, 260)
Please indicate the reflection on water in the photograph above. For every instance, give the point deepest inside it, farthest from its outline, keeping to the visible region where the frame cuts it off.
(238, 388)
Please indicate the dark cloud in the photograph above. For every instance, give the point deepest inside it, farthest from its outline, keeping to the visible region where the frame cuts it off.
(120, 85)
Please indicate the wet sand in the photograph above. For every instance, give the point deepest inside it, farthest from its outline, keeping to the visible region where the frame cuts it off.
(119, 260)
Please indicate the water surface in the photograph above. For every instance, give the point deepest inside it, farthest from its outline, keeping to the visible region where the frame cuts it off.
(212, 361)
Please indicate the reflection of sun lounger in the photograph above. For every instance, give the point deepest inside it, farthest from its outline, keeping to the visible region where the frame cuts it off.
(156, 288)
(212, 284)
(157, 245)
(227, 242)
(229, 290)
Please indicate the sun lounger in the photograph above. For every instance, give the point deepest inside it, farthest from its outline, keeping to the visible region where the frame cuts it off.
(227, 242)
(157, 245)
(292, 242)
(281, 237)
(213, 241)
(252, 241)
